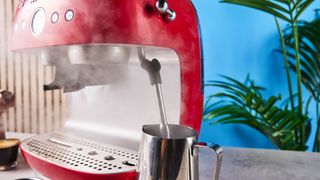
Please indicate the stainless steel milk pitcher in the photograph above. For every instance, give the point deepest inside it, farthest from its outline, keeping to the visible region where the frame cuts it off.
(172, 158)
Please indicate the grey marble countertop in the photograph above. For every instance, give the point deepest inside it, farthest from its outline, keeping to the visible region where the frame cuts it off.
(255, 164)
(238, 164)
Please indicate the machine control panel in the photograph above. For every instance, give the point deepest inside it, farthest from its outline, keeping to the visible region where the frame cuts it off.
(37, 21)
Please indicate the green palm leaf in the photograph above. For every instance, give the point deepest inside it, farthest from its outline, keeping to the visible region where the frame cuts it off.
(264, 5)
(253, 110)
(302, 7)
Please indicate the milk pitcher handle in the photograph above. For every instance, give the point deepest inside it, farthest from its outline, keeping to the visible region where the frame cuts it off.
(218, 152)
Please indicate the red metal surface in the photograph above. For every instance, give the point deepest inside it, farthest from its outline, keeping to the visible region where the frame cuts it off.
(134, 22)
(55, 172)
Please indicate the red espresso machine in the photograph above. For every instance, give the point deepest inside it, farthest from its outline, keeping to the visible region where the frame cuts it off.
(93, 46)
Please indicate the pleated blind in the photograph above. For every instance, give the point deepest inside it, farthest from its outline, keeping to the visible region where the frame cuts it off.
(36, 111)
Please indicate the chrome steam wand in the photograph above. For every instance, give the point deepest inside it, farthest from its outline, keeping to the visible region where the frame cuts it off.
(153, 68)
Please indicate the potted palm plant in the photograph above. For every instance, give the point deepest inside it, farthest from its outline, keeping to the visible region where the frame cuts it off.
(287, 123)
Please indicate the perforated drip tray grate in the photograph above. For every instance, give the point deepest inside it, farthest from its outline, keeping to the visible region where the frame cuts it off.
(81, 155)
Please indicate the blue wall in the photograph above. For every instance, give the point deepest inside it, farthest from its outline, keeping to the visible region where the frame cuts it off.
(238, 41)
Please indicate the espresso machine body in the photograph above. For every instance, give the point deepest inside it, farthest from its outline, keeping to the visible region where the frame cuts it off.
(93, 47)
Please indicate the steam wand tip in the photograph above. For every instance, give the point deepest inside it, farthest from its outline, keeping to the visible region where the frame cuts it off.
(153, 67)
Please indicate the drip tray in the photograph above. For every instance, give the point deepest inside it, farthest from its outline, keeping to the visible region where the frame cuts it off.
(79, 154)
